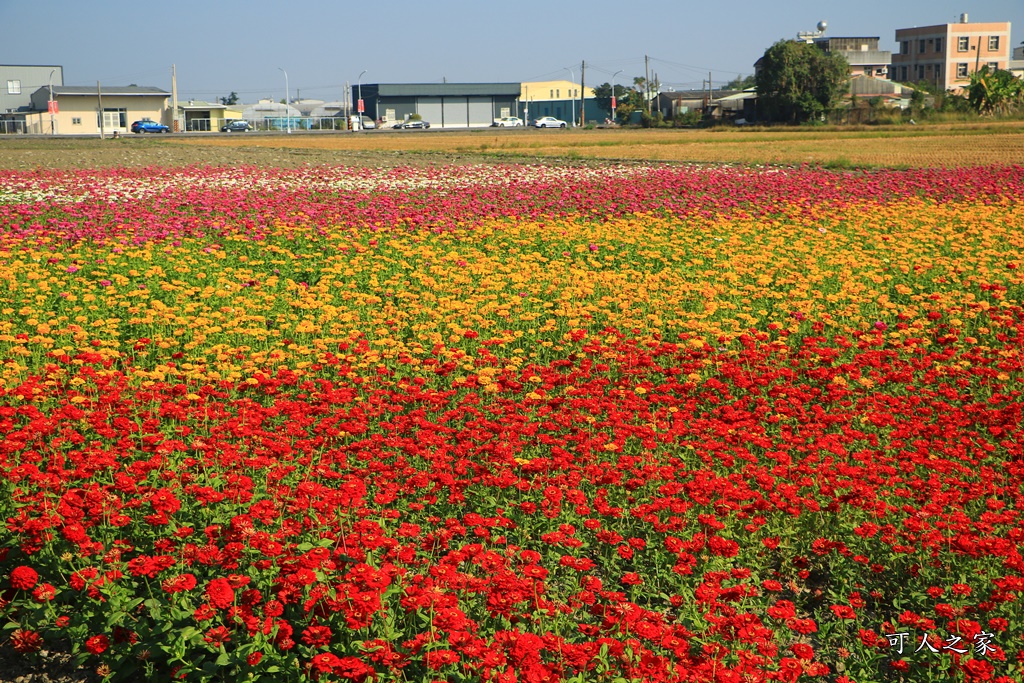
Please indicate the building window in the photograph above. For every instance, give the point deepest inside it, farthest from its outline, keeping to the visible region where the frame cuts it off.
(993, 43)
(992, 66)
(14, 87)
(962, 44)
(938, 44)
(920, 46)
(558, 93)
(905, 47)
(938, 71)
(76, 121)
(920, 71)
(961, 70)
(903, 74)
(551, 94)
(868, 71)
(112, 118)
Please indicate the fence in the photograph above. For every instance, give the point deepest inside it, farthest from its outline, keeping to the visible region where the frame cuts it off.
(24, 127)
(36, 127)
(280, 123)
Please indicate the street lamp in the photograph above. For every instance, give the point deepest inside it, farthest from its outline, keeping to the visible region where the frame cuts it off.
(613, 93)
(53, 129)
(572, 79)
(288, 118)
(359, 104)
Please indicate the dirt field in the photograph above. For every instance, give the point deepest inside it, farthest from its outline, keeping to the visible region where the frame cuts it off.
(948, 145)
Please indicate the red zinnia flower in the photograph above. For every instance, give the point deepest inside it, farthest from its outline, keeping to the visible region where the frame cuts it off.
(97, 644)
(325, 662)
(317, 636)
(24, 578)
(220, 593)
(843, 612)
(217, 636)
(44, 592)
(26, 641)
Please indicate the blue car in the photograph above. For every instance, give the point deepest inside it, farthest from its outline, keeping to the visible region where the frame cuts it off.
(147, 126)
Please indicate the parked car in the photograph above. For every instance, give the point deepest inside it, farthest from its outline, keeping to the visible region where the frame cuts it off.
(236, 127)
(549, 122)
(418, 123)
(147, 126)
(367, 122)
(508, 122)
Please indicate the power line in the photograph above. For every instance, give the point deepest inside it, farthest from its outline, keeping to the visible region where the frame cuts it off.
(699, 69)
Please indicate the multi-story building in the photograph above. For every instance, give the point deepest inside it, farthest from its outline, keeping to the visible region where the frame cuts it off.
(946, 55)
(863, 54)
(17, 83)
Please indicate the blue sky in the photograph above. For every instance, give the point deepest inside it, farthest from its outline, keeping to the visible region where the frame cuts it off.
(240, 45)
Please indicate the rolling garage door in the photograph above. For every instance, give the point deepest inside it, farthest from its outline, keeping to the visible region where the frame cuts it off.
(430, 109)
(455, 112)
(481, 112)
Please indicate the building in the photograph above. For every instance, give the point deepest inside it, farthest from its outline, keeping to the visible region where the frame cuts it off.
(560, 99)
(201, 116)
(270, 115)
(945, 55)
(715, 104)
(443, 105)
(1016, 66)
(863, 54)
(79, 109)
(17, 83)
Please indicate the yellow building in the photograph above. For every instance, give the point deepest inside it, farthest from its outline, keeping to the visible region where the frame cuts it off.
(539, 91)
(79, 109)
(560, 99)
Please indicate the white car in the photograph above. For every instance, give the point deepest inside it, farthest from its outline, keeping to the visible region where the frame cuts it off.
(362, 121)
(549, 122)
(508, 122)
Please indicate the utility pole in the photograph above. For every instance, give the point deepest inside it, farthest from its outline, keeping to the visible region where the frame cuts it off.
(647, 86)
(711, 92)
(174, 99)
(583, 101)
(53, 126)
(99, 97)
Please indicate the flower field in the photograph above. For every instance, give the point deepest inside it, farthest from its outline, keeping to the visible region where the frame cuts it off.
(501, 423)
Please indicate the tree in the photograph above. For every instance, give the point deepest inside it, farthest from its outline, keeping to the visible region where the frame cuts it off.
(740, 83)
(603, 95)
(994, 91)
(230, 99)
(799, 81)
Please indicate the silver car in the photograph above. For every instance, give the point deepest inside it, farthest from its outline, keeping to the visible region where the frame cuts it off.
(549, 122)
(508, 122)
